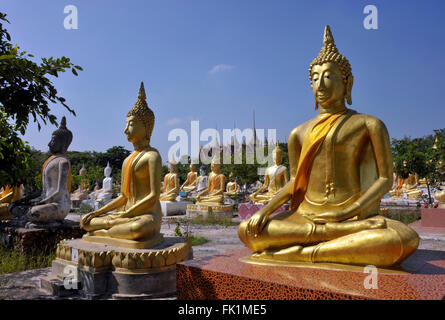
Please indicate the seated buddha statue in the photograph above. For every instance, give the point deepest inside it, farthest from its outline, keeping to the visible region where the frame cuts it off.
(341, 166)
(410, 186)
(137, 212)
(396, 191)
(190, 183)
(232, 187)
(106, 193)
(216, 187)
(170, 188)
(54, 203)
(275, 178)
(202, 182)
(440, 196)
(81, 193)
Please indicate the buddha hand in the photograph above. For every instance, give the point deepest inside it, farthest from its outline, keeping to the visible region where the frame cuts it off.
(86, 219)
(256, 223)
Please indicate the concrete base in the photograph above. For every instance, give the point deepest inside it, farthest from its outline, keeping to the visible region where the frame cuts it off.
(101, 270)
(39, 239)
(400, 202)
(173, 208)
(194, 210)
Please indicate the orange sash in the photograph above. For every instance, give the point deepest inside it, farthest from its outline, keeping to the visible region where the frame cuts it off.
(311, 144)
(400, 187)
(167, 176)
(126, 182)
(213, 182)
(69, 172)
(191, 177)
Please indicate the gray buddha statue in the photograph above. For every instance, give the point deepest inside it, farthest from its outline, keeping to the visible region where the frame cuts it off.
(53, 204)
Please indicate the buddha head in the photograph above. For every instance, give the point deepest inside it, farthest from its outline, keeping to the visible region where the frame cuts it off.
(277, 154)
(215, 165)
(60, 139)
(202, 171)
(140, 120)
(107, 170)
(331, 75)
(192, 167)
(172, 166)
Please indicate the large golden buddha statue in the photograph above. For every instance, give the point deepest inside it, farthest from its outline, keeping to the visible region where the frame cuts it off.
(341, 166)
(275, 179)
(171, 183)
(190, 183)
(215, 189)
(136, 221)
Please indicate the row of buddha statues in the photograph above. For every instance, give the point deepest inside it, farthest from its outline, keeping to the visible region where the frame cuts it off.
(83, 191)
(340, 166)
(213, 189)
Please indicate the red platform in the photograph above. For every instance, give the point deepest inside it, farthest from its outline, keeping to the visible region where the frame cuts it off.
(225, 277)
(433, 217)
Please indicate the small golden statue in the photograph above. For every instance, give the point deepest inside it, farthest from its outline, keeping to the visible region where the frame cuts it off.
(232, 188)
(190, 183)
(275, 179)
(137, 220)
(341, 166)
(7, 196)
(215, 188)
(171, 183)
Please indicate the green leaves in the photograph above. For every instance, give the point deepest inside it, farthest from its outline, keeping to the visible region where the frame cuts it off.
(25, 90)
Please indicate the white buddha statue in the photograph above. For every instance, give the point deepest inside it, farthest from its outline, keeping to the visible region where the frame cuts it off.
(203, 180)
(106, 193)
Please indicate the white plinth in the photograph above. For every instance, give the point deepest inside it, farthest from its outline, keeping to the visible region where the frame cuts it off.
(174, 208)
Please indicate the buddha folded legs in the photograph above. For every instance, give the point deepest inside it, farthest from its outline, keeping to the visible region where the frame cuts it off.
(341, 166)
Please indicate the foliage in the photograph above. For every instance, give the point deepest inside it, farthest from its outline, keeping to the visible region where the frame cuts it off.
(12, 261)
(424, 156)
(213, 219)
(25, 90)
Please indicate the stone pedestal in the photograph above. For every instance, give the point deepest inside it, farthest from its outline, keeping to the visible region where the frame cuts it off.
(226, 277)
(246, 210)
(38, 239)
(101, 270)
(194, 210)
(174, 208)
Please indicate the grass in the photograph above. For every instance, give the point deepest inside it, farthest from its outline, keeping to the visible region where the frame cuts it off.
(12, 261)
(212, 219)
(196, 241)
(405, 216)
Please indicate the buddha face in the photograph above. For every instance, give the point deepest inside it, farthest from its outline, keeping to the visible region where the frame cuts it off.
(277, 157)
(192, 168)
(215, 167)
(57, 144)
(327, 84)
(135, 130)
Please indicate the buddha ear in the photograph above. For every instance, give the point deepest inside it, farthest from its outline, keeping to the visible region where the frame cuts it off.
(349, 84)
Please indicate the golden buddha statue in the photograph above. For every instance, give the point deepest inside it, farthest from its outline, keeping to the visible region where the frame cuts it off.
(215, 188)
(232, 188)
(440, 196)
(171, 183)
(396, 192)
(190, 183)
(136, 222)
(275, 179)
(410, 186)
(7, 196)
(341, 166)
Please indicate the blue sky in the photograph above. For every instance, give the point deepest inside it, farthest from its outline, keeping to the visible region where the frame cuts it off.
(259, 52)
